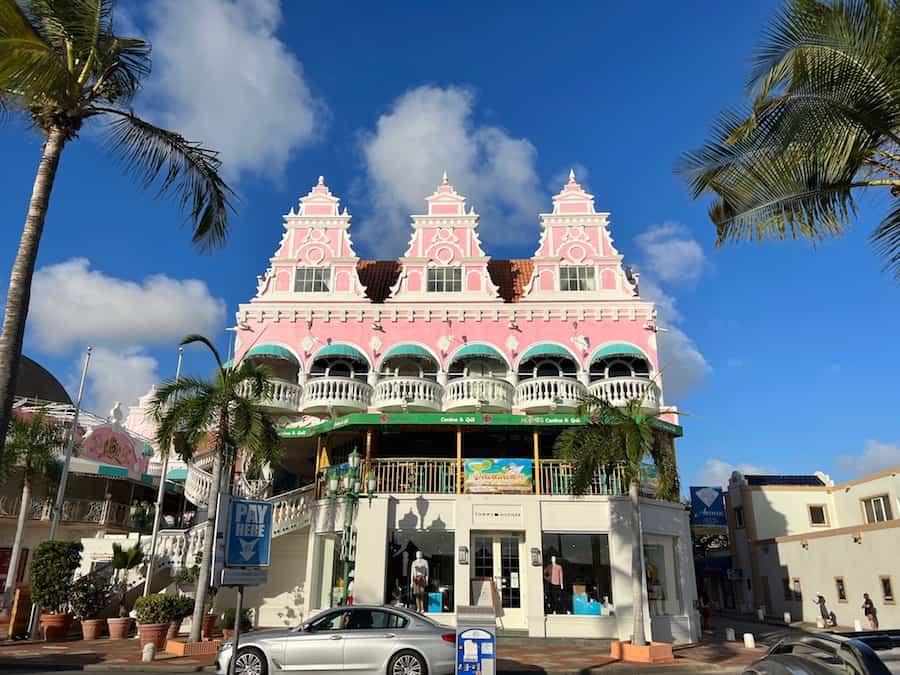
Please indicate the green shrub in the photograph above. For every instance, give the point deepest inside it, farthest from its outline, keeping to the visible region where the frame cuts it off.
(155, 608)
(90, 595)
(184, 606)
(52, 567)
(228, 619)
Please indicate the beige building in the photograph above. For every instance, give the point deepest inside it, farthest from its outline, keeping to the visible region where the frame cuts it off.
(795, 536)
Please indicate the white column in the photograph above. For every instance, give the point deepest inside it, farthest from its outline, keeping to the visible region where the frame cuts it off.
(442, 378)
(584, 377)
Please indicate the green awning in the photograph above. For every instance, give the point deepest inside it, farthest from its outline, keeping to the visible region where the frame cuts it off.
(478, 350)
(343, 352)
(414, 351)
(546, 349)
(616, 349)
(273, 351)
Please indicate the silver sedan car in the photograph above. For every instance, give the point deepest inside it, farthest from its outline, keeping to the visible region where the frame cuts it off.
(358, 638)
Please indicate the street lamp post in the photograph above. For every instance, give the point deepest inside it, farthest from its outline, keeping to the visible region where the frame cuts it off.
(349, 488)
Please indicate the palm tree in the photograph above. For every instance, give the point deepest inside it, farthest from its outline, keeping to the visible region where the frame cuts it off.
(623, 436)
(61, 64)
(189, 410)
(123, 561)
(30, 456)
(823, 126)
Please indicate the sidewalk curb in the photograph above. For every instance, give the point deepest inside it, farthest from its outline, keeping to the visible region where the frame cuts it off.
(145, 667)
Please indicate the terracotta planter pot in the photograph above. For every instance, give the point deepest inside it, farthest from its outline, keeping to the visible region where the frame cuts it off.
(56, 626)
(119, 629)
(208, 625)
(92, 629)
(174, 627)
(153, 633)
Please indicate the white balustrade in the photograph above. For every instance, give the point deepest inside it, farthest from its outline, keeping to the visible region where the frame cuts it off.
(278, 395)
(337, 394)
(490, 394)
(197, 485)
(292, 510)
(549, 394)
(407, 393)
(619, 390)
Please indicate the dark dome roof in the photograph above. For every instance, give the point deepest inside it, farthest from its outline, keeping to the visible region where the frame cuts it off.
(35, 381)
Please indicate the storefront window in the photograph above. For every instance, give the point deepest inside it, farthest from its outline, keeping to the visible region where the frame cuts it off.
(577, 575)
(405, 585)
(328, 584)
(662, 575)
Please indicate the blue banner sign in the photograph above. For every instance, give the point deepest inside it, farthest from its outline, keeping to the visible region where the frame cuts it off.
(249, 536)
(708, 507)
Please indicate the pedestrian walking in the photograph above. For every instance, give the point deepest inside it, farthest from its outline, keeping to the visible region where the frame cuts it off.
(823, 609)
(705, 612)
(870, 611)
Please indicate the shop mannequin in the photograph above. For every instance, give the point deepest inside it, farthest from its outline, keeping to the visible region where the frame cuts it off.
(553, 575)
(419, 583)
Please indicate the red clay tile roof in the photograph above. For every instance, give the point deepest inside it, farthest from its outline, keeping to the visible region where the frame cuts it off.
(510, 276)
(378, 276)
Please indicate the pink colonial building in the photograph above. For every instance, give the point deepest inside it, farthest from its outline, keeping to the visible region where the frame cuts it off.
(452, 374)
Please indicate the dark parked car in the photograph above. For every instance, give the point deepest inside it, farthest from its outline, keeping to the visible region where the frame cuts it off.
(864, 653)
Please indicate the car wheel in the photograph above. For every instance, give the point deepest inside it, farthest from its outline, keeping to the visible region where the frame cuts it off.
(407, 663)
(250, 662)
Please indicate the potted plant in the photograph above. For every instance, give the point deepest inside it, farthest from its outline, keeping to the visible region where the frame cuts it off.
(209, 617)
(52, 567)
(90, 595)
(184, 606)
(228, 622)
(123, 560)
(154, 614)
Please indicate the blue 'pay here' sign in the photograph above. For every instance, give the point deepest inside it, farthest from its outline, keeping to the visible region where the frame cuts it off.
(249, 534)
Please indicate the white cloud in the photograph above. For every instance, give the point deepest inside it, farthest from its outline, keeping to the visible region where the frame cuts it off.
(682, 364)
(876, 456)
(717, 472)
(671, 253)
(73, 306)
(427, 131)
(222, 77)
(118, 375)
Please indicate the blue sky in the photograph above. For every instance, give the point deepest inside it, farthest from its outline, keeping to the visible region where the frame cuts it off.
(785, 356)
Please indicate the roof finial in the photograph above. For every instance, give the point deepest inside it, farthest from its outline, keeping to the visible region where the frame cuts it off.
(571, 175)
(321, 180)
(444, 180)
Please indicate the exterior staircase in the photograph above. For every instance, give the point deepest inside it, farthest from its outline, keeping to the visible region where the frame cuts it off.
(177, 550)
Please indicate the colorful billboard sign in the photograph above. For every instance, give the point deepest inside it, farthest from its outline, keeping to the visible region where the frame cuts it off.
(708, 507)
(487, 476)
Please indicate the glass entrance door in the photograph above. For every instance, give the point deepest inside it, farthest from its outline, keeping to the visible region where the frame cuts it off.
(497, 556)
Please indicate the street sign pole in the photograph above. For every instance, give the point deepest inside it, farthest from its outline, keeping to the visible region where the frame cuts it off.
(237, 629)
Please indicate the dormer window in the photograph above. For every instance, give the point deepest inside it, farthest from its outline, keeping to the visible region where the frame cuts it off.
(312, 280)
(576, 278)
(444, 279)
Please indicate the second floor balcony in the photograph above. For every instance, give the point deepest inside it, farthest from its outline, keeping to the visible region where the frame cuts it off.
(402, 394)
(335, 394)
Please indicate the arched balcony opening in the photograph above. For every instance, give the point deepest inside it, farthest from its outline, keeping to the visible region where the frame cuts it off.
(478, 381)
(337, 382)
(621, 372)
(284, 393)
(548, 380)
(407, 380)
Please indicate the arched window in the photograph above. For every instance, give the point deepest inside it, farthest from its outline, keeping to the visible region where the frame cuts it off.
(620, 365)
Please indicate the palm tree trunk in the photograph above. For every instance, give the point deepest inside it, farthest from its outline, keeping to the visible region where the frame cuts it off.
(19, 293)
(16, 553)
(637, 569)
(209, 535)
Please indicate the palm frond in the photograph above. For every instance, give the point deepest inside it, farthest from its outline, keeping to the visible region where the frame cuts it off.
(184, 168)
(30, 69)
(32, 445)
(255, 433)
(195, 338)
(886, 239)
